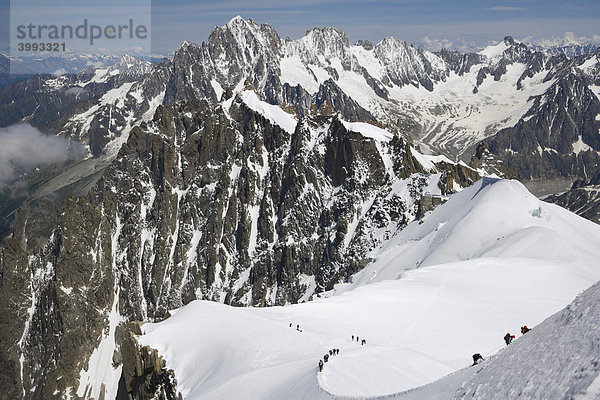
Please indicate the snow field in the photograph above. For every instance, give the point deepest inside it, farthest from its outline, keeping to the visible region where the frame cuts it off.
(273, 113)
(420, 324)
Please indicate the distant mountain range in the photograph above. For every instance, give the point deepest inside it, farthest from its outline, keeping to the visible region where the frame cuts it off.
(446, 101)
(71, 63)
(569, 50)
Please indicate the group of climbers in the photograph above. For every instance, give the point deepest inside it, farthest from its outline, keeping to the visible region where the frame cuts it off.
(508, 338)
(332, 352)
(477, 358)
(362, 342)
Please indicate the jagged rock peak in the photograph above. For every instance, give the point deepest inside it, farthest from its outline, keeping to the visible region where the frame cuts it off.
(509, 40)
(509, 51)
(392, 48)
(367, 45)
(247, 33)
(407, 65)
(128, 62)
(187, 46)
(240, 24)
(126, 58)
(238, 19)
(185, 43)
(327, 38)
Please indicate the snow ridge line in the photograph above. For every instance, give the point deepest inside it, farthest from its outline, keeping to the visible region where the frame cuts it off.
(396, 394)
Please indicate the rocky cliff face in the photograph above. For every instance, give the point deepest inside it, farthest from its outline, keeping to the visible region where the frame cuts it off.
(559, 136)
(583, 198)
(144, 374)
(201, 202)
(584, 201)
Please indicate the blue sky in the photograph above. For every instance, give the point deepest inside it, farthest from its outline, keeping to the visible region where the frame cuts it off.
(461, 24)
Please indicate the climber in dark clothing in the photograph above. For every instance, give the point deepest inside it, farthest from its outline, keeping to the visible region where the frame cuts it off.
(357, 339)
(353, 338)
(508, 338)
(320, 365)
(524, 329)
(363, 342)
(326, 357)
(477, 358)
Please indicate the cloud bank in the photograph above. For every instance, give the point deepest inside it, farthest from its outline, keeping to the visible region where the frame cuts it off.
(23, 148)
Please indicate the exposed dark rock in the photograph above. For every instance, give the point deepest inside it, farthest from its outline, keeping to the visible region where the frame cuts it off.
(584, 201)
(144, 374)
(483, 159)
(428, 203)
(583, 198)
(365, 44)
(541, 145)
(331, 99)
(199, 203)
(460, 63)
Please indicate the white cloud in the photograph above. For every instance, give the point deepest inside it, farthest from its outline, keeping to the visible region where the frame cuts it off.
(94, 63)
(436, 44)
(59, 72)
(75, 90)
(23, 148)
(569, 38)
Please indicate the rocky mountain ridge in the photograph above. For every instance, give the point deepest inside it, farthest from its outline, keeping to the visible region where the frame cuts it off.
(446, 101)
(320, 68)
(200, 202)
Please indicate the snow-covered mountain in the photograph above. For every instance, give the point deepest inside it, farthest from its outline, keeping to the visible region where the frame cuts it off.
(448, 102)
(570, 50)
(69, 62)
(127, 68)
(241, 203)
(253, 170)
(491, 259)
(569, 45)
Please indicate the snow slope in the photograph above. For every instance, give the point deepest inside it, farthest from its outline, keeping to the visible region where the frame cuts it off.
(452, 117)
(504, 222)
(368, 130)
(559, 359)
(273, 113)
(489, 261)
